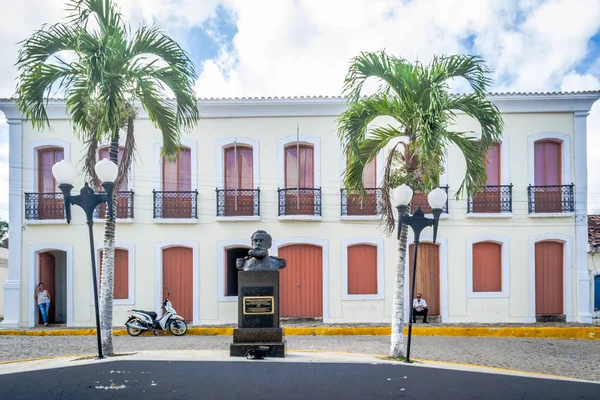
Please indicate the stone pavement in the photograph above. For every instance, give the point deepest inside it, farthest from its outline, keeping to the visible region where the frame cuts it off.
(573, 358)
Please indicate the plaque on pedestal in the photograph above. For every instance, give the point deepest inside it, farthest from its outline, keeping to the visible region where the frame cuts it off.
(258, 301)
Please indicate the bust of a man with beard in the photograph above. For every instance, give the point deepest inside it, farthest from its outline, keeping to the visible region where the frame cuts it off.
(258, 258)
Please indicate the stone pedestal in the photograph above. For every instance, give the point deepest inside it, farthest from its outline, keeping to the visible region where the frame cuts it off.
(258, 314)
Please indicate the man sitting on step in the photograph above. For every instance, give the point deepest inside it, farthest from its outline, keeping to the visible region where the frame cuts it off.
(419, 308)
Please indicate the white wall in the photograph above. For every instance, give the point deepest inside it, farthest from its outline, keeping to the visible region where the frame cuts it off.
(3, 276)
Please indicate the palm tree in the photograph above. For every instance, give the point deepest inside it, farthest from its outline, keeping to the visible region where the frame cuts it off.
(3, 233)
(114, 72)
(417, 98)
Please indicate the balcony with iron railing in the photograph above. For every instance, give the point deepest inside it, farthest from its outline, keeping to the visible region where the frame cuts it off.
(44, 206)
(175, 204)
(491, 200)
(125, 208)
(238, 202)
(554, 199)
(299, 202)
(353, 205)
(420, 200)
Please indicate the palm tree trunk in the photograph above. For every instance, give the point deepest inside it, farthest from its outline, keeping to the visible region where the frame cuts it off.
(397, 345)
(107, 281)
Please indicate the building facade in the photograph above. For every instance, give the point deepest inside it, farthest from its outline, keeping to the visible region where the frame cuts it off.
(518, 252)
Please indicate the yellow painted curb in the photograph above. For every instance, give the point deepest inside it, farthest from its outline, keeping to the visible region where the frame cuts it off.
(587, 333)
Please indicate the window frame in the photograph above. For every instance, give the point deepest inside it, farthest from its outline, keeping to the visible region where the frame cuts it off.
(504, 241)
(379, 244)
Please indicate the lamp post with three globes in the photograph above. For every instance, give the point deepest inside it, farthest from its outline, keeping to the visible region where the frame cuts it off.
(88, 200)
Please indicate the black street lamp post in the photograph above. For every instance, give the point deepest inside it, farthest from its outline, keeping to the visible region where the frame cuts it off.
(418, 222)
(88, 200)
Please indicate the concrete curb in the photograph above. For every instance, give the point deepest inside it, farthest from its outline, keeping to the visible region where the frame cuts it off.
(586, 333)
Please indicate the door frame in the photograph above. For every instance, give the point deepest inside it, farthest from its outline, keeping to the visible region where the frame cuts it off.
(33, 252)
(324, 244)
(567, 242)
(442, 243)
(158, 271)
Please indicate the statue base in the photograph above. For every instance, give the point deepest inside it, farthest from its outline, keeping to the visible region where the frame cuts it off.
(258, 315)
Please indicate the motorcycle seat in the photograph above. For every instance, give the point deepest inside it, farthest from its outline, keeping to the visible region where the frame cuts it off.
(151, 314)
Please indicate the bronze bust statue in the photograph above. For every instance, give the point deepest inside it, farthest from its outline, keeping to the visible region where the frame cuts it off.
(258, 258)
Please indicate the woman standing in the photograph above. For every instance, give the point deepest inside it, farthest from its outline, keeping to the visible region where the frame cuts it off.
(43, 300)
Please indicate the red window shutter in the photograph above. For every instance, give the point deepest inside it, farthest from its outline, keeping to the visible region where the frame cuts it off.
(493, 165)
(243, 176)
(362, 269)
(302, 177)
(121, 289)
(46, 159)
(487, 267)
(547, 160)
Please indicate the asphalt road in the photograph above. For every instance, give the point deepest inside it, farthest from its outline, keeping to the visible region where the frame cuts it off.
(261, 379)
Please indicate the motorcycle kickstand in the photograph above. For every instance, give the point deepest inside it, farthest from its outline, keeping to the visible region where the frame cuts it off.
(154, 332)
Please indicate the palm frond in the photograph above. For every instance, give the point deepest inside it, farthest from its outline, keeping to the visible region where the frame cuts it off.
(485, 112)
(162, 114)
(472, 68)
(471, 148)
(367, 65)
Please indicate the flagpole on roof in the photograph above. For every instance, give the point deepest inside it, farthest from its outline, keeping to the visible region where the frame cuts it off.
(298, 165)
(236, 172)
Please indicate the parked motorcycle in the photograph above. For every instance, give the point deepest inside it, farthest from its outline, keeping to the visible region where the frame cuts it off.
(140, 321)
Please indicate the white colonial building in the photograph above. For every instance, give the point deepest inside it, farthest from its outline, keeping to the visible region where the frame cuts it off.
(516, 253)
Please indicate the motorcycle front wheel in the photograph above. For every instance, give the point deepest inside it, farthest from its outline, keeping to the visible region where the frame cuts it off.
(134, 331)
(177, 327)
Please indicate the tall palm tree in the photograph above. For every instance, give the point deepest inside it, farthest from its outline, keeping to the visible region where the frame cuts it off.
(417, 98)
(114, 72)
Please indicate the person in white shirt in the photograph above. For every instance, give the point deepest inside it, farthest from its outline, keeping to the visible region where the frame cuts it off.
(419, 308)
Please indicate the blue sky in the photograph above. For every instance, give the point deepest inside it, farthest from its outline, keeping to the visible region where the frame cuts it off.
(302, 47)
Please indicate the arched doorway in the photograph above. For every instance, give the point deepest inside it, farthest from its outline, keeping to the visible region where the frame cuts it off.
(178, 280)
(549, 275)
(301, 281)
(52, 272)
(428, 276)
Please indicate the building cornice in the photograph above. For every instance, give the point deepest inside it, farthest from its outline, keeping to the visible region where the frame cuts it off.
(571, 102)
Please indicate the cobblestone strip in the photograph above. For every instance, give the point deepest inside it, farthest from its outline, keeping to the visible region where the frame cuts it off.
(572, 358)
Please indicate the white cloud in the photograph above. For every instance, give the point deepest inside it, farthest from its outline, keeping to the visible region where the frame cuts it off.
(303, 47)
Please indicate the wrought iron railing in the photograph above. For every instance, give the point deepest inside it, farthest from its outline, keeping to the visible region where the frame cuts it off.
(175, 204)
(124, 206)
(44, 206)
(353, 204)
(420, 200)
(492, 199)
(238, 202)
(299, 201)
(551, 199)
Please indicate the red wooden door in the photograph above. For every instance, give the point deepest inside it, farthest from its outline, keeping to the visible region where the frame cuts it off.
(301, 281)
(178, 280)
(177, 179)
(549, 278)
(50, 205)
(548, 171)
(488, 201)
(239, 181)
(299, 174)
(428, 275)
(47, 276)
